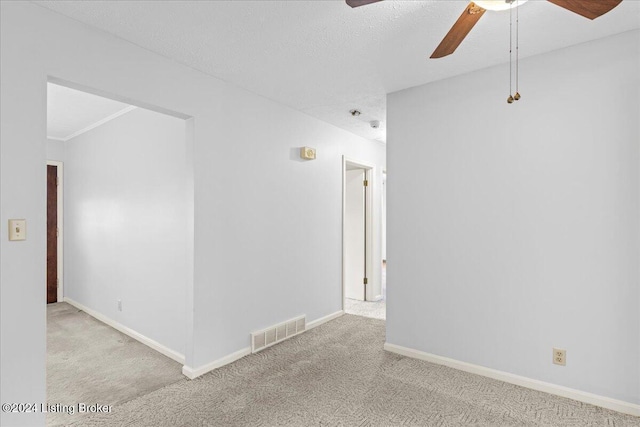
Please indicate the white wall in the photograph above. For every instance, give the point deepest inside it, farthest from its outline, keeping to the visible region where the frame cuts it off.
(524, 231)
(55, 150)
(257, 261)
(270, 245)
(126, 214)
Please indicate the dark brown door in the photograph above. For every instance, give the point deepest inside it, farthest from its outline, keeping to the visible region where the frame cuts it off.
(52, 234)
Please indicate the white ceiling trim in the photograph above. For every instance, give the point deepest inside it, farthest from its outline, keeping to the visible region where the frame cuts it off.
(96, 124)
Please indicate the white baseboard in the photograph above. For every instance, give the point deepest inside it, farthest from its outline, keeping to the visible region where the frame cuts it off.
(558, 390)
(128, 331)
(324, 319)
(192, 373)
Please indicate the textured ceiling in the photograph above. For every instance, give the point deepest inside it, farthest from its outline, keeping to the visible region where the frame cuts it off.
(71, 112)
(324, 58)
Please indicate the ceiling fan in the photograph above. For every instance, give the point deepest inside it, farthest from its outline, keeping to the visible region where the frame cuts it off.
(473, 12)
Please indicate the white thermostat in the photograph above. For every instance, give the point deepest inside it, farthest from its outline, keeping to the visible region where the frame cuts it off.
(308, 153)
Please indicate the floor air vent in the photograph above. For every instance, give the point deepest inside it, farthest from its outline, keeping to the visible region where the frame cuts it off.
(275, 334)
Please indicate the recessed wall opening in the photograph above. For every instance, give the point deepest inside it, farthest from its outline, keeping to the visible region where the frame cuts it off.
(123, 212)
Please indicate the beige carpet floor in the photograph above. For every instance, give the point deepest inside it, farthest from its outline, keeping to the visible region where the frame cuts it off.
(90, 362)
(339, 375)
(374, 309)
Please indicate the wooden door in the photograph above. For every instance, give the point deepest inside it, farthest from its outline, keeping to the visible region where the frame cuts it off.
(52, 234)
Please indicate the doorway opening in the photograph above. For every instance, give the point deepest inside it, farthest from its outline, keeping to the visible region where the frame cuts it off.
(383, 236)
(355, 233)
(362, 294)
(55, 245)
(128, 227)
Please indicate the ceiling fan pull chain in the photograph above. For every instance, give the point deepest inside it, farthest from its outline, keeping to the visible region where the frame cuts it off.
(517, 95)
(510, 98)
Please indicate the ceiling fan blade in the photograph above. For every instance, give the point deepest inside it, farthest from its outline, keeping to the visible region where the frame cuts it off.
(588, 8)
(358, 3)
(459, 31)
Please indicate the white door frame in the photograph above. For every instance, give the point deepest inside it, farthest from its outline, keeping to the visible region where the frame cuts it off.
(60, 171)
(369, 175)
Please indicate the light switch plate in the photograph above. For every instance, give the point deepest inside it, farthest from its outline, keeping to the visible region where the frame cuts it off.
(17, 229)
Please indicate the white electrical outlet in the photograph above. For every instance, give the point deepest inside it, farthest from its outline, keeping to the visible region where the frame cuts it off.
(119, 305)
(559, 356)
